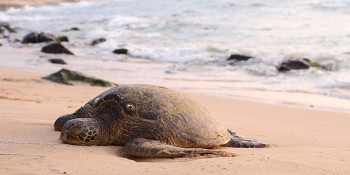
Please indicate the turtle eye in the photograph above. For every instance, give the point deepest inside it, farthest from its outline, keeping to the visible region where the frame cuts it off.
(130, 108)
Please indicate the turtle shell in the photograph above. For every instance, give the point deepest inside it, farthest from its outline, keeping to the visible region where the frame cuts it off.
(192, 124)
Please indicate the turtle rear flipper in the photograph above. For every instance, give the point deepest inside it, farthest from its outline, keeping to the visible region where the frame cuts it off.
(241, 142)
(146, 148)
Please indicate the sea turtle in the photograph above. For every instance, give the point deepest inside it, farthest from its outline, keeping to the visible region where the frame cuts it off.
(150, 121)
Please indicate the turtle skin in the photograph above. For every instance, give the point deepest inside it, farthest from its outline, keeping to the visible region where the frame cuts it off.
(150, 121)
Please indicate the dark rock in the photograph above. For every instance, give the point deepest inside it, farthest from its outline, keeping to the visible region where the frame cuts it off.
(0, 44)
(97, 41)
(71, 29)
(239, 57)
(56, 48)
(35, 37)
(120, 51)
(62, 39)
(74, 29)
(294, 64)
(303, 63)
(69, 77)
(57, 61)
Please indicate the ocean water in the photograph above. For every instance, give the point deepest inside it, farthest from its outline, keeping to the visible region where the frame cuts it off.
(192, 38)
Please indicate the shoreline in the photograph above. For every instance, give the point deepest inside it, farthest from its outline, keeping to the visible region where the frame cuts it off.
(218, 80)
(120, 75)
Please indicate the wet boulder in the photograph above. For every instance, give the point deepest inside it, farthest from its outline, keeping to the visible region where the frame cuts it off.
(238, 57)
(62, 39)
(69, 77)
(56, 48)
(56, 61)
(121, 51)
(294, 64)
(72, 29)
(97, 41)
(35, 37)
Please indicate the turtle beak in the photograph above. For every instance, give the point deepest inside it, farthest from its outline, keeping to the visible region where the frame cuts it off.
(80, 131)
(70, 134)
(70, 138)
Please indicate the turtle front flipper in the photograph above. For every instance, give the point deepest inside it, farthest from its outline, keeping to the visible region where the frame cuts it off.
(146, 148)
(82, 131)
(241, 142)
(83, 112)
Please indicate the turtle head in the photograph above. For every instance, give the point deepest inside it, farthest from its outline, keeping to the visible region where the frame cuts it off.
(115, 106)
(127, 112)
(82, 131)
(118, 114)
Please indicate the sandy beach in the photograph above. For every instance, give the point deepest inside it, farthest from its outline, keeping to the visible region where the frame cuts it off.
(307, 133)
(303, 141)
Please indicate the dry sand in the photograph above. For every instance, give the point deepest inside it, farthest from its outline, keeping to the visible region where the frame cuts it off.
(303, 141)
(5, 4)
(24, 2)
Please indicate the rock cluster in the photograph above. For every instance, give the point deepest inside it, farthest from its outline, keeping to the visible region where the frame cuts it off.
(284, 66)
